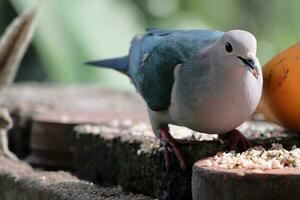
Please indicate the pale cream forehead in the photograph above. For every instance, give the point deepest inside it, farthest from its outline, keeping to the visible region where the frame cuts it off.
(242, 39)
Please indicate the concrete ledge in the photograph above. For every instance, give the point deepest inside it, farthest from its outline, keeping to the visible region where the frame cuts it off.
(134, 160)
(20, 181)
(125, 154)
(131, 156)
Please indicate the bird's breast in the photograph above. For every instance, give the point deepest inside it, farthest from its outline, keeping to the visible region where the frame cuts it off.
(216, 106)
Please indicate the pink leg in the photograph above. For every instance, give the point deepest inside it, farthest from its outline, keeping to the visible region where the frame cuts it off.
(169, 142)
(237, 139)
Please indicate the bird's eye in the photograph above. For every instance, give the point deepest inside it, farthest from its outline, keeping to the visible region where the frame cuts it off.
(228, 47)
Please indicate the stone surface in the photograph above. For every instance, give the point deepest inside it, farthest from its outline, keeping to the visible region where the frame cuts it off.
(41, 110)
(77, 102)
(20, 181)
(114, 153)
(131, 157)
(210, 183)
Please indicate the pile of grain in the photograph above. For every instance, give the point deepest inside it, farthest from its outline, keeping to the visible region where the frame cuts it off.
(258, 158)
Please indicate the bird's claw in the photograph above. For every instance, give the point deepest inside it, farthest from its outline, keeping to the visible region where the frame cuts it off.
(238, 140)
(186, 141)
(170, 143)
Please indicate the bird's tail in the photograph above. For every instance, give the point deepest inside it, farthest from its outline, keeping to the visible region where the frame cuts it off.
(121, 64)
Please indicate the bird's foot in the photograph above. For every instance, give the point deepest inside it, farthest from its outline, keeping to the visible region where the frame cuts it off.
(185, 141)
(237, 140)
(170, 143)
(8, 154)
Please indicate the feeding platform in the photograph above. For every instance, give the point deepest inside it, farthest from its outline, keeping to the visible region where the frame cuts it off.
(104, 137)
(254, 174)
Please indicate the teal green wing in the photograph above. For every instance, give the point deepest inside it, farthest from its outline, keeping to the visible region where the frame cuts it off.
(154, 56)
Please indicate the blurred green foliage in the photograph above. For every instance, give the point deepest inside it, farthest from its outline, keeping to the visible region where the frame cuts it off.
(71, 32)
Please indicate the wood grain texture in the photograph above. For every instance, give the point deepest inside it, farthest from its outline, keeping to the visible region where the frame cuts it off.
(13, 45)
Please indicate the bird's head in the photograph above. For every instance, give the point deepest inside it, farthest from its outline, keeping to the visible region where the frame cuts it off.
(237, 49)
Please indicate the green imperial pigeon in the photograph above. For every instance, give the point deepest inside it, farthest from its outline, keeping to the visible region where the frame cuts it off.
(208, 81)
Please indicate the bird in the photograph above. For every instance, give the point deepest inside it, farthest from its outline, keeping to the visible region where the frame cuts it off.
(206, 80)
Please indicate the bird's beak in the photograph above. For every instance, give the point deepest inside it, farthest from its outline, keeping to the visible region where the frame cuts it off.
(252, 67)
